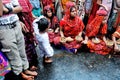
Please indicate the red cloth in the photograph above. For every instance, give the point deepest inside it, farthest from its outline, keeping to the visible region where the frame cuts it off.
(95, 7)
(117, 20)
(99, 48)
(71, 27)
(96, 26)
(47, 2)
(26, 5)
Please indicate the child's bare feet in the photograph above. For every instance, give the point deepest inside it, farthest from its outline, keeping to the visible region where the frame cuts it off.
(33, 68)
(48, 60)
(32, 73)
(27, 77)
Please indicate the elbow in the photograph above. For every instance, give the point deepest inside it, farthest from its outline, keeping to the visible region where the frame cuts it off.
(20, 8)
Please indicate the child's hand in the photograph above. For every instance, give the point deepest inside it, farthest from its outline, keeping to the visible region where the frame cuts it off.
(24, 28)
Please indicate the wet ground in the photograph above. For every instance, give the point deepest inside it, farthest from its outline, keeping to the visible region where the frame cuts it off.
(83, 66)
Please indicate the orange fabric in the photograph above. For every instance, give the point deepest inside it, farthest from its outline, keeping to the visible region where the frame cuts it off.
(95, 7)
(100, 48)
(64, 3)
(95, 27)
(117, 23)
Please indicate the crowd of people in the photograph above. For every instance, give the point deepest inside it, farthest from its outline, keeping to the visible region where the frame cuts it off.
(69, 24)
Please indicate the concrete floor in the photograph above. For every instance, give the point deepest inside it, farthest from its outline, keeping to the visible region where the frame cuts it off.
(83, 66)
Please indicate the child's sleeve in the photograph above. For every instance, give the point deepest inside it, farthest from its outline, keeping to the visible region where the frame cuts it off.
(46, 44)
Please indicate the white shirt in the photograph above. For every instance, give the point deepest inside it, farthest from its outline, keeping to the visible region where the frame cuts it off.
(10, 18)
(43, 40)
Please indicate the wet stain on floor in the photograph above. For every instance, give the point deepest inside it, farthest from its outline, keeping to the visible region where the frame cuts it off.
(83, 66)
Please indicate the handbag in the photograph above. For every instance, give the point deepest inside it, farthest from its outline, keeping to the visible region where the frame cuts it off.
(4, 65)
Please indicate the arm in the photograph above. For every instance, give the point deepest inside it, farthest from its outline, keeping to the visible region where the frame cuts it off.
(1, 8)
(17, 9)
(61, 32)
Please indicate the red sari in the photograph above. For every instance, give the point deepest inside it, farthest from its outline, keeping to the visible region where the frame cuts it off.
(117, 26)
(71, 28)
(26, 17)
(95, 27)
(94, 9)
(92, 30)
(53, 23)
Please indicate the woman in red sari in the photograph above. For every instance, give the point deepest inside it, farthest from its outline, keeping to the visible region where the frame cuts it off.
(71, 27)
(95, 33)
(95, 7)
(116, 34)
(26, 17)
(53, 30)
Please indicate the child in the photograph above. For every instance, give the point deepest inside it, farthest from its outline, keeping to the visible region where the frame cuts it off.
(40, 28)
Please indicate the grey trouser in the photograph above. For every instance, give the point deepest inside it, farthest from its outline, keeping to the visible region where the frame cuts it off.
(12, 38)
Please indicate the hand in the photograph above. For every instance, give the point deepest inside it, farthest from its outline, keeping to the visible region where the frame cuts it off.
(69, 39)
(78, 38)
(57, 30)
(63, 40)
(24, 28)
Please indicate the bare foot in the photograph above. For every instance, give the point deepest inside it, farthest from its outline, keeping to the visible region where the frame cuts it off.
(48, 60)
(26, 77)
(33, 68)
(32, 73)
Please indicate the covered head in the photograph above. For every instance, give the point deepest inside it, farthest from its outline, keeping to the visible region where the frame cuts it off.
(102, 12)
(69, 7)
(48, 10)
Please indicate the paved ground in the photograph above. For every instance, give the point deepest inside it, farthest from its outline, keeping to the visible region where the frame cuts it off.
(83, 66)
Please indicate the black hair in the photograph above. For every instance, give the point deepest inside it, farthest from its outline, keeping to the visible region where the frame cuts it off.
(45, 13)
(42, 24)
(71, 8)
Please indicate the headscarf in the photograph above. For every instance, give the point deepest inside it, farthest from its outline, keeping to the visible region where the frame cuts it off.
(92, 29)
(69, 5)
(47, 8)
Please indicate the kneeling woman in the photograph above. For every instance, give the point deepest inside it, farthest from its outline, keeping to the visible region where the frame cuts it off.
(71, 27)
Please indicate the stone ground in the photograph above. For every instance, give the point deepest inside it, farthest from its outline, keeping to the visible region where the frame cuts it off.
(83, 66)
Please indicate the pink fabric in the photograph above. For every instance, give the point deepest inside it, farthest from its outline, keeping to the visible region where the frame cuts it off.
(5, 1)
(102, 12)
(26, 5)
